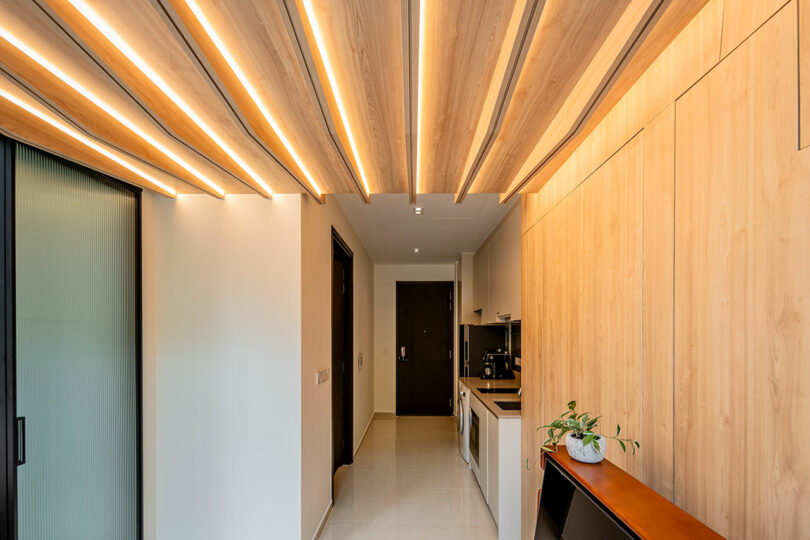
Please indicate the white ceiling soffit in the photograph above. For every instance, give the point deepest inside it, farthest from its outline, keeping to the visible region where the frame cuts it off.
(389, 229)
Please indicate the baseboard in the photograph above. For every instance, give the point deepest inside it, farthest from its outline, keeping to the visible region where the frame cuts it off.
(363, 436)
(324, 519)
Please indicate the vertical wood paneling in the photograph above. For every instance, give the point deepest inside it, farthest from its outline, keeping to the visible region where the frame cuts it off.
(804, 72)
(724, 242)
(531, 439)
(741, 18)
(658, 259)
(607, 347)
(742, 311)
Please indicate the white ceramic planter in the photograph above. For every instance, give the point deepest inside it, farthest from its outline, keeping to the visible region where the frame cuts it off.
(585, 454)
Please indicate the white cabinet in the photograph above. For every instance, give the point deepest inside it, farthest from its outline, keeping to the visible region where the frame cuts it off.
(496, 272)
(499, 467)
(492, 464)
(467, 313)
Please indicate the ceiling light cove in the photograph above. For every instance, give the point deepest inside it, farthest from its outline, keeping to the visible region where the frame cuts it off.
(124, 48)
(109, 110)
(70, 132)
(250, 89)
(420, 84)
(330, 75)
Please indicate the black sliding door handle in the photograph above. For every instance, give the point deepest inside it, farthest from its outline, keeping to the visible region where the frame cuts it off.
(20, 433)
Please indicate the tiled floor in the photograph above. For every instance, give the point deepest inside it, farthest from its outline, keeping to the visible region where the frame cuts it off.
(409, 481)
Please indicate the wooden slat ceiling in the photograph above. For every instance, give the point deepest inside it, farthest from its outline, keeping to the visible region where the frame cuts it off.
(323, 96)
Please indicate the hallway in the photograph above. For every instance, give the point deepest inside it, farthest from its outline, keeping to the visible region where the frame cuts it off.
(409, 481)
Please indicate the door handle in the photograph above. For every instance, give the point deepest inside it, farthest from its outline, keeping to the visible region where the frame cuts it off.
(20, 429)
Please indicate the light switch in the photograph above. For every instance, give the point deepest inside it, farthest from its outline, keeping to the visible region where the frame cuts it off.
(322, 376)
(359, 361)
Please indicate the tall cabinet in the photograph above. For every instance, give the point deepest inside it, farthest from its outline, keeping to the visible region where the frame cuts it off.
(496, 272)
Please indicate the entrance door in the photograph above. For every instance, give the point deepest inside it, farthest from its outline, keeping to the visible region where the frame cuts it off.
(342, 347)
(425, 348)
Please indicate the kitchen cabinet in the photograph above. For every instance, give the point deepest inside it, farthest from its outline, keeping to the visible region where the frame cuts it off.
(481, 278)
(466, 310)
(499, 467)
(496, 272)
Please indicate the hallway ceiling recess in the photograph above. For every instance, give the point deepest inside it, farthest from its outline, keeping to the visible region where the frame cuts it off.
(323, 96)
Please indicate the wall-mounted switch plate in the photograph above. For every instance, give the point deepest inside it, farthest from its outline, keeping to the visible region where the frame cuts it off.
(359, 361)
(322, 376)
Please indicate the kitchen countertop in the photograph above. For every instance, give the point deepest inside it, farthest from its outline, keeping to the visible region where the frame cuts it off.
(474, 383)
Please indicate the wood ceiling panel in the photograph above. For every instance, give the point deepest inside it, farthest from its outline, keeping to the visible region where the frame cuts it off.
(145, 29)
(255, 35)
(22, 125)
(32, 29)
(639, 93)
(463, 40)
(567, 40)
(365, 46)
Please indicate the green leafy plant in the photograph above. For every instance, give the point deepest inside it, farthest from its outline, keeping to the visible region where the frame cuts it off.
(583, 427)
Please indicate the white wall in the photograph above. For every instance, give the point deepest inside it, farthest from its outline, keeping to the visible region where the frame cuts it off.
(316, 400)
(222, 372)
(385, 281)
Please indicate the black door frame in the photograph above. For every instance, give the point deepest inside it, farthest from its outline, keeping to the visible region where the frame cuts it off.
(8, 399)
(341, 249)
(452, 325)
(8, 376)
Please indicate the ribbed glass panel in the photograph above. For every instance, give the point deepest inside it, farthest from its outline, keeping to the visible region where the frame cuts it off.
(77, 271)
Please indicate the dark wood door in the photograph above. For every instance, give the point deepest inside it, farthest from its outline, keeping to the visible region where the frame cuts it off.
(425, 348)
(342, 366)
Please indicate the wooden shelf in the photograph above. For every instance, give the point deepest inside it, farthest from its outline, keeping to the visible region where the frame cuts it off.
(642, 510)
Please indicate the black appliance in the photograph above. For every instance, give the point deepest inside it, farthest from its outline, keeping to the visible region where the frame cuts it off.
(497, 365)
(474, 341)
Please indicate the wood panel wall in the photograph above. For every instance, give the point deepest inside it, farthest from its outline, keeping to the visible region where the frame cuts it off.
(665, 278)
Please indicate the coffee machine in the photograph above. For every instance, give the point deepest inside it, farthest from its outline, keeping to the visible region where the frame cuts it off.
(497, 365)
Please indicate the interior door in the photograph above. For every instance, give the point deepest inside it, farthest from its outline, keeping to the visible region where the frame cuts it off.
(424, 348)
(78, 352)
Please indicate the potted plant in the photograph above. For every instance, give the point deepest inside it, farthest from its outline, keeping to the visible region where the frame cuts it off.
(581, 440)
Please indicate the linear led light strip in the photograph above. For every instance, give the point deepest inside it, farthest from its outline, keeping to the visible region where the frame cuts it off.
(237, 70)
(420, 83)
(67, 130)
(25, 49)
(316, 31)
(124, 47)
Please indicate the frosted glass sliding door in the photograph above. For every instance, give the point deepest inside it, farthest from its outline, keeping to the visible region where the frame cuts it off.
(77, 266)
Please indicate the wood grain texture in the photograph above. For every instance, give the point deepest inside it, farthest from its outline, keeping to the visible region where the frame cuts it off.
(742, 311)
(804, 73)
(35, 30)
(645, 512)
(741, 18)
(145, 29)
(567, 39)
(364, 41)
(255, 35)
(690, 55)
(671, 58)
(23, 126)
(658, 139)
(463, 40)
(531, 374)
